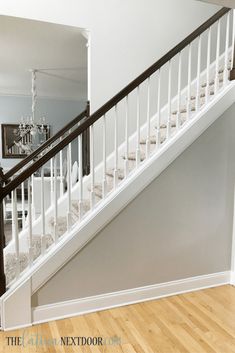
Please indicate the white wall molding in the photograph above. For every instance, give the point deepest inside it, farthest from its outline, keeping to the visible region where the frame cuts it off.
(233, 244)
(76, 307)
(232, 278)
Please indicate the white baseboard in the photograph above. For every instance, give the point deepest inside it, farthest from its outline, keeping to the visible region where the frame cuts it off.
(232, 278)
(76, 307)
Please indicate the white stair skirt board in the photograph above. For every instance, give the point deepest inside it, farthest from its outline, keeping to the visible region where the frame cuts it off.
(16, 308)
(82, 306)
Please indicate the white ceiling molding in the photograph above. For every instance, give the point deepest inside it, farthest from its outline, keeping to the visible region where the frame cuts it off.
(224, 3)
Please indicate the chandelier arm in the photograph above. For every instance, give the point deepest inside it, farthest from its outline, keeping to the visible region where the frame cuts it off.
(34, 95)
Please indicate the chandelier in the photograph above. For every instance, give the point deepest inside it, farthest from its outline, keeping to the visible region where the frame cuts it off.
(31, 132)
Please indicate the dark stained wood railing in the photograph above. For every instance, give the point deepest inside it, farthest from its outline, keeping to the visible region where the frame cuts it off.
(83, 128)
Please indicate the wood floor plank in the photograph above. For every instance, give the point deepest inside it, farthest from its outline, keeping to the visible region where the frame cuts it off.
(196, 322)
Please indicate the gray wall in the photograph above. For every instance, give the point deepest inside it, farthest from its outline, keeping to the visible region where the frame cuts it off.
(179, 226)
(57, 113)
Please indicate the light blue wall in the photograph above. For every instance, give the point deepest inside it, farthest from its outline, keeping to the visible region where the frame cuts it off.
(57, 113)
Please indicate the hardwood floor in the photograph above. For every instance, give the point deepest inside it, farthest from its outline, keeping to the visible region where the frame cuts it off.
(202, 321)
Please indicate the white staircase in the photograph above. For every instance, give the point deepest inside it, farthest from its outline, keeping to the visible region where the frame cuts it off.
(142, 133)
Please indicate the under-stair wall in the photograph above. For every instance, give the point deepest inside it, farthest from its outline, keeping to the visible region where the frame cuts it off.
(180, 226)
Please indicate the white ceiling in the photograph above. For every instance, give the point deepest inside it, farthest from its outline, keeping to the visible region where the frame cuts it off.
(59, 52)
(225, 3)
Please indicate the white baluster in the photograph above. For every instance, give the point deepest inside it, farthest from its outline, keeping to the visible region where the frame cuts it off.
(207, 88)
(30, 222)
(69, 215)
(178, 122)
(92, 170)
(226, 55)
(61, 173)
(80, 177)
(51, 181)
(23, 205)
(15, 231)
(43, 236)
(115, 172)
(158, 123)
(217, 59)
(148, 119)
(233, 38)
(138, 128)
(168, 129)
(189, 82)
(33, 198)
(104, 181)
(126, 167)
(55, 201)
(198, 92)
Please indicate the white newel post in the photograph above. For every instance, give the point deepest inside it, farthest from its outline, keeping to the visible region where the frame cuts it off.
(232, 280)
(232, 73)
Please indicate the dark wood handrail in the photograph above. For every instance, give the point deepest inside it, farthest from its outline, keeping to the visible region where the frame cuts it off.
(25, 174)
(45, 145)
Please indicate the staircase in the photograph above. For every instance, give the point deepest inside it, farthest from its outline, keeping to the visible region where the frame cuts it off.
(144, 128)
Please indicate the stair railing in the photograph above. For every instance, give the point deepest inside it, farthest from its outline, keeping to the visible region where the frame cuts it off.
(153, 105)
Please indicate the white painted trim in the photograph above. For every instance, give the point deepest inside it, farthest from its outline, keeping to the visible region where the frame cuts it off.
(233, 243)
(16, 308)
(232, 278)
(82, 306)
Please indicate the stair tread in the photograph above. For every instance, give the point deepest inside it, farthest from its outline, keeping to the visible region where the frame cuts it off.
(211, 83)
(121, 173)
(10, 258)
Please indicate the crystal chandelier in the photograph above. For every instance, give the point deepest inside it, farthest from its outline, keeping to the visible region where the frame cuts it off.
(29, 128)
